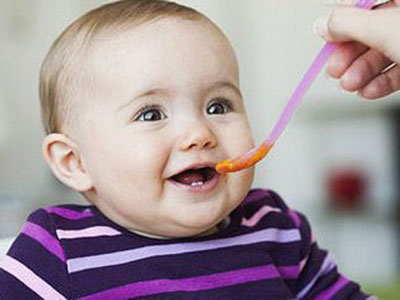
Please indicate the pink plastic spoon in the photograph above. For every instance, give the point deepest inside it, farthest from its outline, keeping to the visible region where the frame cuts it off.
(253, 156)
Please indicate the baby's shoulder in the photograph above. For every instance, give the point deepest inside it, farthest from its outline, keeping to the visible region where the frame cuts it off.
(266, 206)
(55, 216)
(259, 197)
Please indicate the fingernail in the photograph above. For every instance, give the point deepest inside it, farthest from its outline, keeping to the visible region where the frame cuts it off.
(321, 26)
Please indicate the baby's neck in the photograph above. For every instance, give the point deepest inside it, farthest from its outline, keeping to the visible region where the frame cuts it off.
(222, 225)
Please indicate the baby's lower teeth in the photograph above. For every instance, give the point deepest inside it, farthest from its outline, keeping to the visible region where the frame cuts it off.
(197, 183)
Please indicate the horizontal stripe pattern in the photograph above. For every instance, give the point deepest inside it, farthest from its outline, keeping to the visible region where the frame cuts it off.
(90, 232)
(44, 238)
(266, 250)
(127, 256)
(332, 290)
(200, 283)
(328, 264)
(288, 271)
(69, 214)
(29, 278)
(261, 213)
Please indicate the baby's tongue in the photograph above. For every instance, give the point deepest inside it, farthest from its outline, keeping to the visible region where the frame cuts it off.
(190, 176)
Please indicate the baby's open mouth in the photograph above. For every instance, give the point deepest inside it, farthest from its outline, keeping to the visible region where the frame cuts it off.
(194, 177)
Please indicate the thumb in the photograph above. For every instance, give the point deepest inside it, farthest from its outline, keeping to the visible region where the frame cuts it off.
(372, 28)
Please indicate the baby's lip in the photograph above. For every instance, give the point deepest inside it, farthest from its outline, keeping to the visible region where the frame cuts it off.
(196, 166)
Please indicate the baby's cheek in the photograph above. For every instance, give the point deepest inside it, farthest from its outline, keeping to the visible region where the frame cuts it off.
(243, 136)
(241, 183)
(243, 142)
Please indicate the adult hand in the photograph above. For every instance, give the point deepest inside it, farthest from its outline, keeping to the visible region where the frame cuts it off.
(368, 60)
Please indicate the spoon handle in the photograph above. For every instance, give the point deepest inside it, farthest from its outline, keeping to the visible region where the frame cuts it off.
(307, 80)
(253, 156)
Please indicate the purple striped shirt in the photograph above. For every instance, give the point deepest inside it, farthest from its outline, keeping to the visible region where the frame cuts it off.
(266, 252)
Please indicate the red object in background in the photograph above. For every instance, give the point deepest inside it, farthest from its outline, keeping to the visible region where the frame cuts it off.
(347, 189)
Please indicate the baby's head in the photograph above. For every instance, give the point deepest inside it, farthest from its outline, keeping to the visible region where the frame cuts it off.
(133, 94)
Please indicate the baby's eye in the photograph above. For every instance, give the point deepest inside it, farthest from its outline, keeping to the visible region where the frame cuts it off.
(220, 106)
(150, 114)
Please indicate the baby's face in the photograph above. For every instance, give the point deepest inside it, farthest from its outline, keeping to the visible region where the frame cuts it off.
(164, 98)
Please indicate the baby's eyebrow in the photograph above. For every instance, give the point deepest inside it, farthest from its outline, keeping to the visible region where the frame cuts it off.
(145, 94)
(158, 91)
(227, 84)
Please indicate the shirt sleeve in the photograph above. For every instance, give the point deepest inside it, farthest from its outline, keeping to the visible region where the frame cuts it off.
(35, 265)
(319, 278)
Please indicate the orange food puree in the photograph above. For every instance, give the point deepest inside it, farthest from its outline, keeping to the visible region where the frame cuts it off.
(244, 161)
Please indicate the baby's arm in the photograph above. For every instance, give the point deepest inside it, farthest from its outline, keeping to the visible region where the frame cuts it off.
(35, 267)
(319, 277)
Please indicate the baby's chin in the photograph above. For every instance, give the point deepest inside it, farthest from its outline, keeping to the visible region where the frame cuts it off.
(186, 233)
(194, 225)
(190, 232)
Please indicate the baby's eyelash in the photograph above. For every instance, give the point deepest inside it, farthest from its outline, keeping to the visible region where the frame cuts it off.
(146, 108)
(228, 106)
(227, 103)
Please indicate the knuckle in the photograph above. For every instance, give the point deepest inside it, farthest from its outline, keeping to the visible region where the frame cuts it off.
(336, 17)
(367, 67)
(333, 20)
(337, 21)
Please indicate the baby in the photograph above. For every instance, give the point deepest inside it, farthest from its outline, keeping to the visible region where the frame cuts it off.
(140, 100)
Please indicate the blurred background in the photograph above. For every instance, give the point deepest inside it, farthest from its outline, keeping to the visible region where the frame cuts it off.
(338, 161)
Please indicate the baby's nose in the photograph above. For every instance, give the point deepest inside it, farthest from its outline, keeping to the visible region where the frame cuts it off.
(198, 136)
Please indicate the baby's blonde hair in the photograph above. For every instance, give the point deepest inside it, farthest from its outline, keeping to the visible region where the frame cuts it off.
(58, 85)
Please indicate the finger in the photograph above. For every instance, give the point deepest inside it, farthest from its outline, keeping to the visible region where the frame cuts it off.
(364, 69)
(373, 28)
(383, 85)
(387, 4)
(343, 58)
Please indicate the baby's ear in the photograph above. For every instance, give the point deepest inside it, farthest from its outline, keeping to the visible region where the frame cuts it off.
(63, 156)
